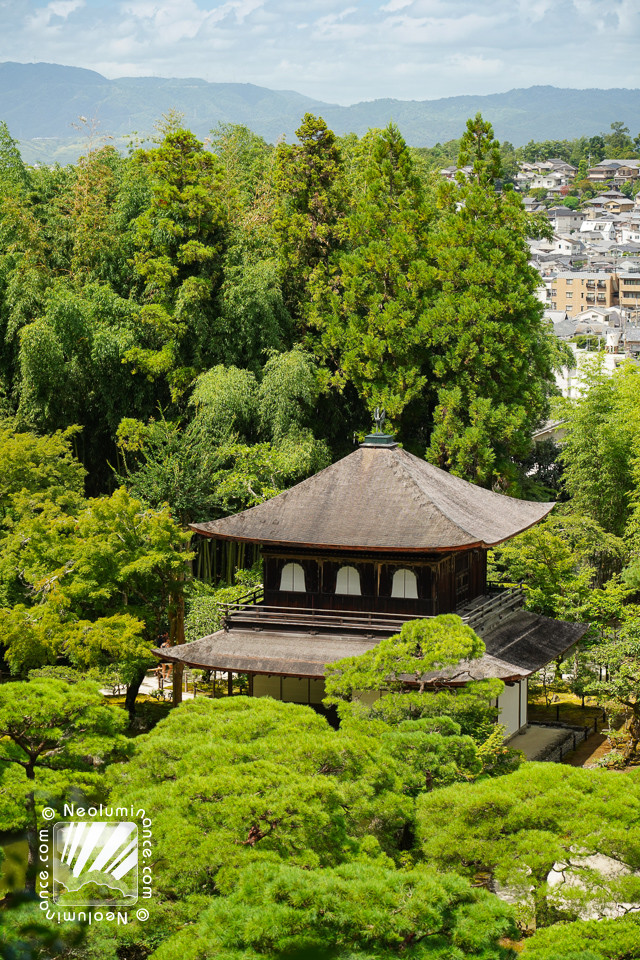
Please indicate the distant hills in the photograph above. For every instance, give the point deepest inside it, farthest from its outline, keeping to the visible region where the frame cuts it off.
(41, 102)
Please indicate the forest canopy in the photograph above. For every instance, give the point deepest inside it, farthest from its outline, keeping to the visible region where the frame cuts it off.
(259, 302)
(189, 330)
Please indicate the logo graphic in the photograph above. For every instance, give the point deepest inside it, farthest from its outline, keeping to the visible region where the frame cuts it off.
(95, 863)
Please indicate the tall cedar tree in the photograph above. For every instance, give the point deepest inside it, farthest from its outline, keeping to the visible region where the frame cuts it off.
(310, 207)
(492, 362)
(180, 240)
(370, 309)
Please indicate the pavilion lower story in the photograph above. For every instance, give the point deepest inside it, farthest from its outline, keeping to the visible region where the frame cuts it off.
(287, 663)
(292, 689)
(511, 704)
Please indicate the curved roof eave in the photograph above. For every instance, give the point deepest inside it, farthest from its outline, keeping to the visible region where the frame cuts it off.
(381, 499)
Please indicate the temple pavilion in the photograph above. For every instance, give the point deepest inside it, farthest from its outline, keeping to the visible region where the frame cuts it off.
(349, 555)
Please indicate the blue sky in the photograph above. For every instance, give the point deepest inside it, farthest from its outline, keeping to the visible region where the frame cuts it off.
(336, 51)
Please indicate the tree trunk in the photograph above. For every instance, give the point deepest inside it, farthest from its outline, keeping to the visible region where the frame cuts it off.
(633, 737)
(544, 915)
(176, 634)
(32, 836)
(132, 693)
(178, 669)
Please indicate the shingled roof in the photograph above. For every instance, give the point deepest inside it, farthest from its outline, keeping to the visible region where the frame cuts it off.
(522, 644)
(381, 498)
(519, 646)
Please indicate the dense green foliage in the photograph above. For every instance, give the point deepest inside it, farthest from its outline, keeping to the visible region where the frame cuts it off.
(92, 582)
(582, 152)
(492, 355)
(259, 303)
(184, 333)
(563, 841)
(280, 833)
(586, 940)
(369, 910)
(54, 738)
(583, 563)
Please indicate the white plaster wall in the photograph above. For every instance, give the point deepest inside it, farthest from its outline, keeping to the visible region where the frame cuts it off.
(508, 706)
(524, 697)
(316, 691)
(295, 690)
(266, 686)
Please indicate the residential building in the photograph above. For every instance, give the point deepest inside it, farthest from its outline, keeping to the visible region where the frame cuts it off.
(575, 291)
(565, 221)
(572, 246)
(532, 175)
(629, 291)
(618, 171)
(609, 316)
(598, 229)
(619, 204)
(630, 233)
(632, 342)
(548, 181)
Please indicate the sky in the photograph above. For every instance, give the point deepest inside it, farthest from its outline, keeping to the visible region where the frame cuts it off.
(335, 51)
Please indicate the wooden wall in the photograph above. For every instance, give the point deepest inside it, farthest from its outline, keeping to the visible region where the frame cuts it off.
(445, 582)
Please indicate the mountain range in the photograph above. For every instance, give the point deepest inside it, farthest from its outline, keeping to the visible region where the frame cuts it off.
(42, 104)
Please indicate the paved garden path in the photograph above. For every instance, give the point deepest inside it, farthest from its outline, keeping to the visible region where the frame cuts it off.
(588, 752)
(536, 740)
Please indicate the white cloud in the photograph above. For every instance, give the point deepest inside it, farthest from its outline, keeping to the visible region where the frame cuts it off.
(337, 50)
(535, 10)
(63, 8)
(395, 5)
(58, 8)
(239, 8)
(439, 31)
(476, 66)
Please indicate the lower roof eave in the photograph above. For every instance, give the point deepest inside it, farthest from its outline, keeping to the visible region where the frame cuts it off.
(240, 665)
(517, 647)
(459, 683)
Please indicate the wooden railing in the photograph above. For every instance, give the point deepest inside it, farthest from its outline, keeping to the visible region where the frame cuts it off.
(313, 620)
(494, 609)
(481, 614)
(251, 597)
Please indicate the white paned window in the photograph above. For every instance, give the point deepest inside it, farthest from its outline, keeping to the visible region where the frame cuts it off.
(405, 585)
(292, 578)
(348, 581)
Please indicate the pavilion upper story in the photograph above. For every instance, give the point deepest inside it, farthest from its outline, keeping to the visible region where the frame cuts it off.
(379, 531)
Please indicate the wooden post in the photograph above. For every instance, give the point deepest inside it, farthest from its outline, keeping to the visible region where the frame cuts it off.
(177, 683)
(229, 683)
(177, 637)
